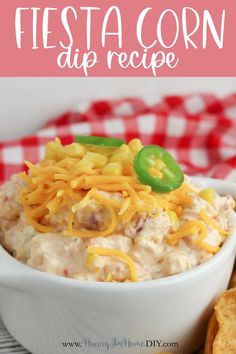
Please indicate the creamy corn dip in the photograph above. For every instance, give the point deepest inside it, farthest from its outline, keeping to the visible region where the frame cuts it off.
(82, 213)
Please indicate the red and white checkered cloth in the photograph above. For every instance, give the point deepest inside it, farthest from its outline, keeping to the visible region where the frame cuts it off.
(199, 130)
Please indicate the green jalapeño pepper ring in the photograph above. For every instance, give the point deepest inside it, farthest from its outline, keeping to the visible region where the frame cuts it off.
(157, 168)
(99, 140)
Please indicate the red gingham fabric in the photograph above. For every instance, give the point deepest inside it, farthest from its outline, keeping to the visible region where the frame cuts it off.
(199, 130)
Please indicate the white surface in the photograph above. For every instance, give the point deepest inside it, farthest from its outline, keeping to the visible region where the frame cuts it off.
(36, 305)
(28, 102)
(7, 343)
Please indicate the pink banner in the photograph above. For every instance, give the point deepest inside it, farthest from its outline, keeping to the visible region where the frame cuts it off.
(117, 38)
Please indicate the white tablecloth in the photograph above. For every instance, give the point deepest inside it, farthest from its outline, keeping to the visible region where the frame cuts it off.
(8, 344)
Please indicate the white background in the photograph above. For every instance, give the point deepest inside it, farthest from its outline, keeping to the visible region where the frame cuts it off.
(28, 102)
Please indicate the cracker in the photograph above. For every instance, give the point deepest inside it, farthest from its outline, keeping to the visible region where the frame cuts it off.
(225, 309)
(224, 343)
(221, 331)
(212, 330)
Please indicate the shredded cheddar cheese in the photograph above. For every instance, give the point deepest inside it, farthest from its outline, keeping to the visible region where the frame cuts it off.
(175, 237)
(99, 251)
(189, 228)
(95, 233)
(210, 222)
(73, 176)
(207, 247)
(196, 228)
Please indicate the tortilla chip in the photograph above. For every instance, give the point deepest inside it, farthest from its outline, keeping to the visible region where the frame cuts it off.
(225, 309)
(212, 330)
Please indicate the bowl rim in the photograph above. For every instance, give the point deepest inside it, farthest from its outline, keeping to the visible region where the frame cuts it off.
(15, 271)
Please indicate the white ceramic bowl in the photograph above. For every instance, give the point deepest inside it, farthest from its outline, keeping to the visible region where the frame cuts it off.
(42, 311)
